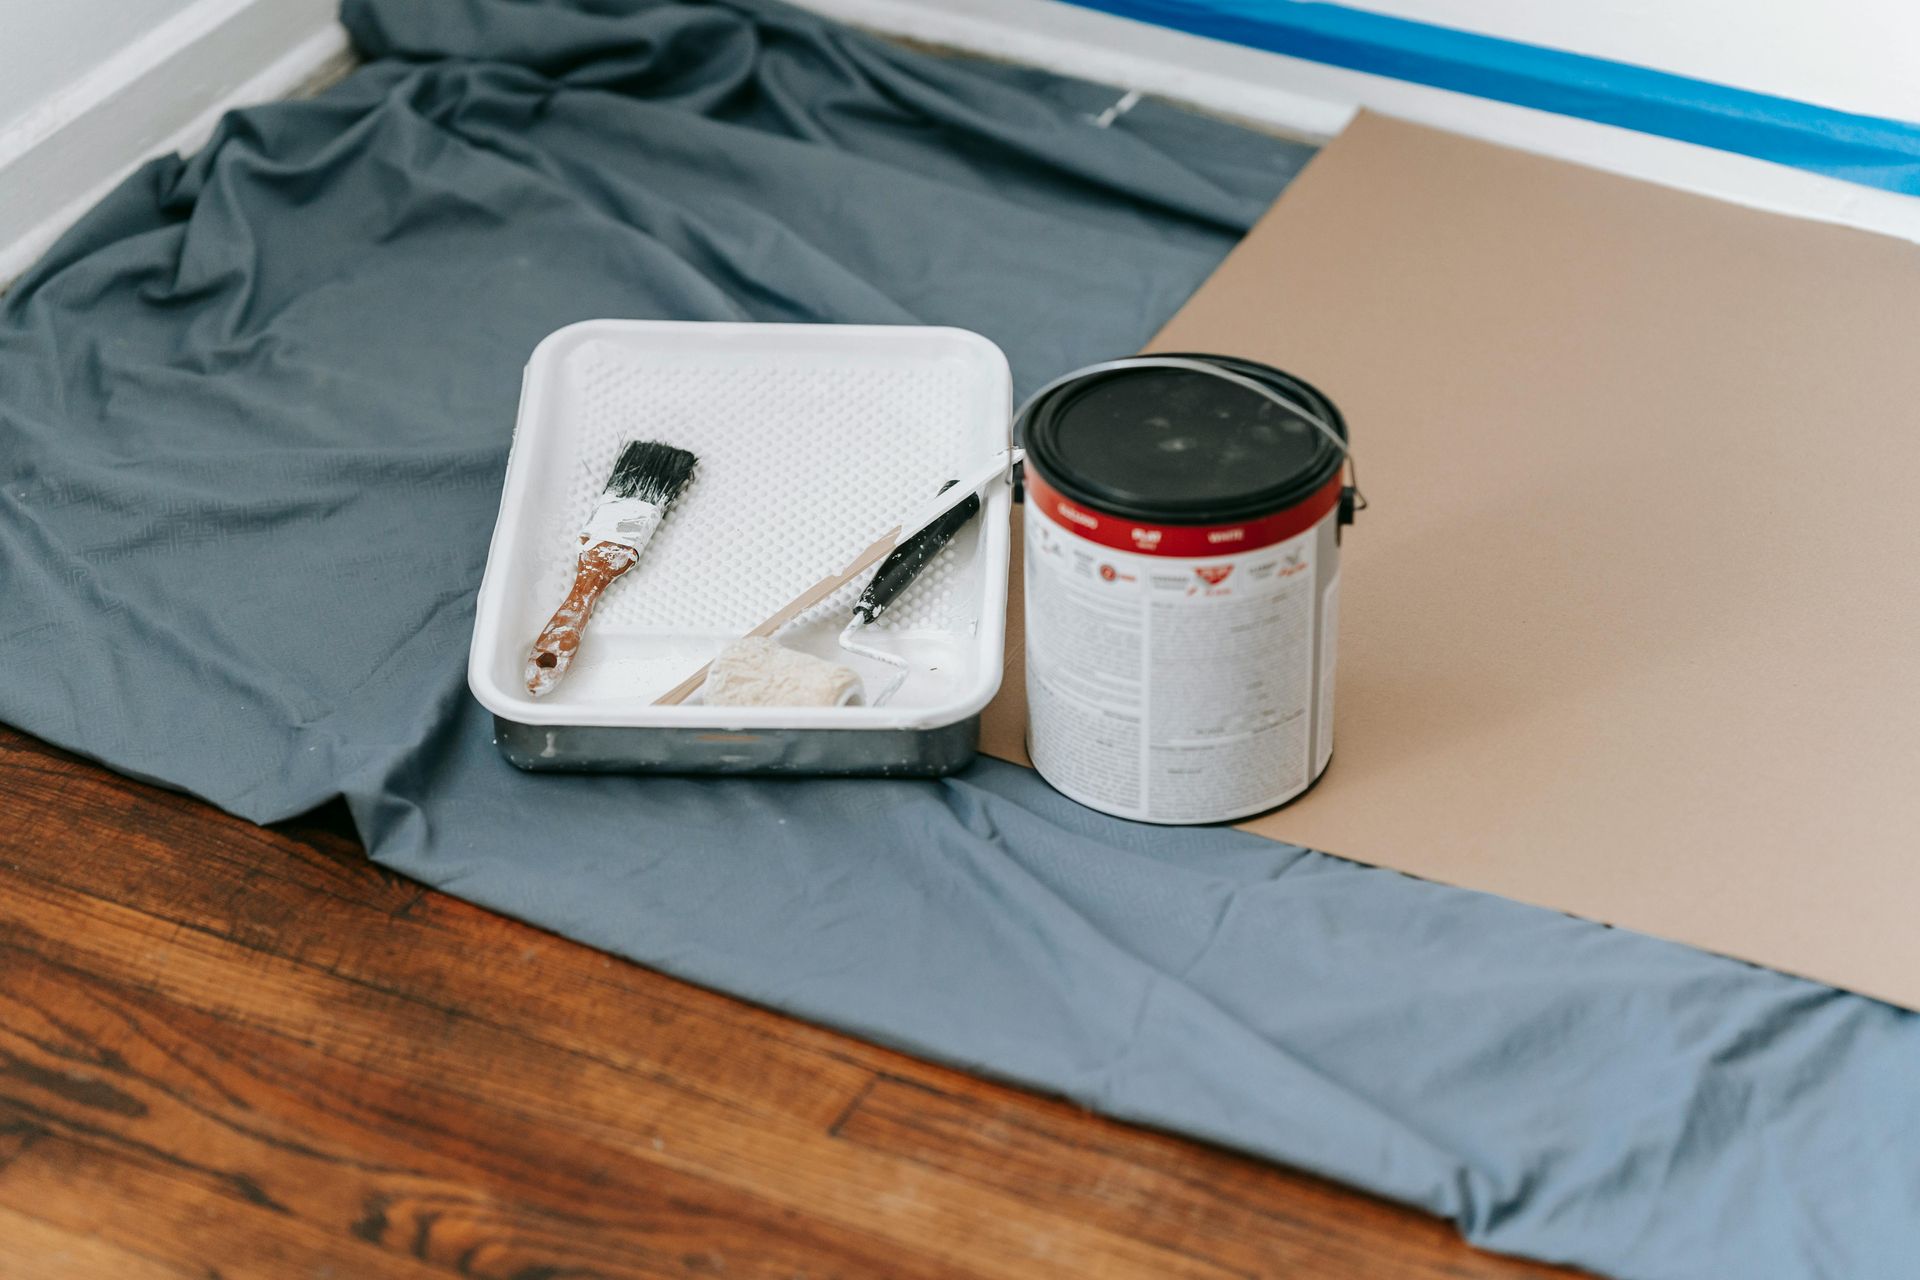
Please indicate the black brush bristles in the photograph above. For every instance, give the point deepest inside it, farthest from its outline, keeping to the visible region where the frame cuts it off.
(650, 471)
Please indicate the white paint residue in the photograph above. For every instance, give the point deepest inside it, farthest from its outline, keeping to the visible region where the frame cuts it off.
(1127, 102)
(850, 641)
(627, 521)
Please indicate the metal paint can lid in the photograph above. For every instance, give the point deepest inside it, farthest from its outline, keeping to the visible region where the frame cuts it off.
(1179, 445)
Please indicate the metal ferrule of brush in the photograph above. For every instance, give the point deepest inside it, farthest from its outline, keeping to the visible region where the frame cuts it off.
(897, 572)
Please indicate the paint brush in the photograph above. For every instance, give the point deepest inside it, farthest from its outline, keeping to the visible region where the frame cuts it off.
(646, 478)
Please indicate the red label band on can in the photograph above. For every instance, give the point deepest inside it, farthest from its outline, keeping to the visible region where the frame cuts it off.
(1182, 588)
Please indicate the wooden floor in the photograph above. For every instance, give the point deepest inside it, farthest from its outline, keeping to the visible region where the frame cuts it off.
(235, 1052)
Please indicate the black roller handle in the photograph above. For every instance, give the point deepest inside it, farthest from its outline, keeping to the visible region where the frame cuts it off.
(897, 572)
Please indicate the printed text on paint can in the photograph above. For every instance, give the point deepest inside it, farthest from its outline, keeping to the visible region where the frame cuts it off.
(1177, 689)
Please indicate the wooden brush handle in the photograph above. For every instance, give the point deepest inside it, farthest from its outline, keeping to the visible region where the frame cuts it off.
(553, 652)
(790, 610)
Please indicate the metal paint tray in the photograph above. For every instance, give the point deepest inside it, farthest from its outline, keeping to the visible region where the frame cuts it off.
(813, 440)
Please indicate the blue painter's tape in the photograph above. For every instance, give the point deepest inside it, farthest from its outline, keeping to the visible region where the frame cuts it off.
(1864, 149)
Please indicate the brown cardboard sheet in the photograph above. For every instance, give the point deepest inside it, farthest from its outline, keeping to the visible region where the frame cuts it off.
(1632, 628)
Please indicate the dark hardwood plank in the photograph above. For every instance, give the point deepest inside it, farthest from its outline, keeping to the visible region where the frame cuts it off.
(251, 1154)
(242, 1052)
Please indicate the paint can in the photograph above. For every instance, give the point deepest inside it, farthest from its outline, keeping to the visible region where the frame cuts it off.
(1183, 518)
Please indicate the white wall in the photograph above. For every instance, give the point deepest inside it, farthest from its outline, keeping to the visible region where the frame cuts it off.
(46, 45)
(1313, 100)
(89, 88)
(1853, 55)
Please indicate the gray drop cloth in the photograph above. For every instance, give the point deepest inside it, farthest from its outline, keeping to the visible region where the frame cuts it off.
(254, 412)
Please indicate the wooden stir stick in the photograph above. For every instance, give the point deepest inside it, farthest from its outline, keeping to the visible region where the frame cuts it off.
(792, 609)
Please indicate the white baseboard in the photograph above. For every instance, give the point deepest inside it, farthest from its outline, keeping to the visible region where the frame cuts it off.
(1313, 100)
(164, 92)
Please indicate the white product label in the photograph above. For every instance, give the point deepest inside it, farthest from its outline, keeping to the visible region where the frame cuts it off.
(1329, 654)
(1171, 689)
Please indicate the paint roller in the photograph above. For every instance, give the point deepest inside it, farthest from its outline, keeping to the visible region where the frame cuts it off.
(755, 671)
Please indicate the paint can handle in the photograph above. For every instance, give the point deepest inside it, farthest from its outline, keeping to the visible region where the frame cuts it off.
(1352, 500)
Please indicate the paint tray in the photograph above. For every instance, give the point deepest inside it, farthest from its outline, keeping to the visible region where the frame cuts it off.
(813, 441)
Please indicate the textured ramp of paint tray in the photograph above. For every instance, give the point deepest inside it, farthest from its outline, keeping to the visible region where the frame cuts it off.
(803, 461)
